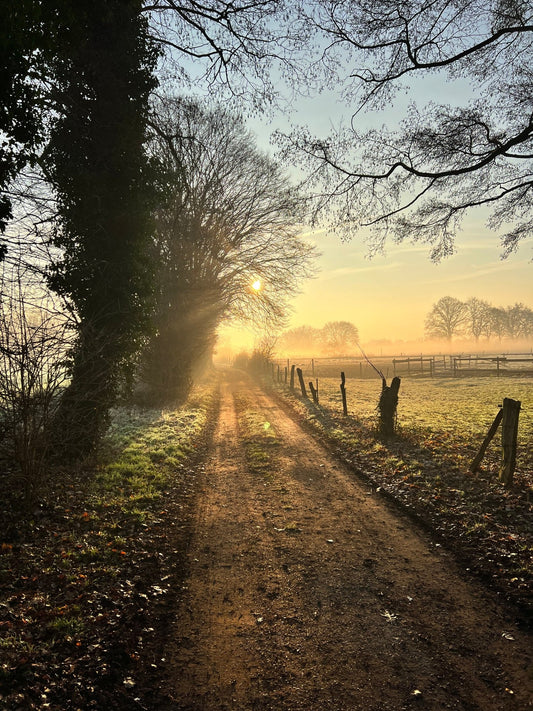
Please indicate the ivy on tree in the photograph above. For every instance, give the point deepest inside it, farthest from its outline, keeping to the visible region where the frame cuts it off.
(97, 165)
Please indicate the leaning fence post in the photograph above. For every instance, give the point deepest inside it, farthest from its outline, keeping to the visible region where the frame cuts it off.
(511, 412)
(302, 384)
(343, 393)
(492, 431)
(291, 384)
(314, 391)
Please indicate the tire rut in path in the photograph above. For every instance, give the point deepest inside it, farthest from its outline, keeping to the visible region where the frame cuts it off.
(307, 592)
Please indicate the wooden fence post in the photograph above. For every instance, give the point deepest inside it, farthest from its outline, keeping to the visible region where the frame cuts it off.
(511, 412)
(343, 393)
(388, 402)
(286, 374)
(301, 379)
(291, 384)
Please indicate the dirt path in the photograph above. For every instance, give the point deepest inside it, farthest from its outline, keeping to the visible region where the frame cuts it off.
(306, 592)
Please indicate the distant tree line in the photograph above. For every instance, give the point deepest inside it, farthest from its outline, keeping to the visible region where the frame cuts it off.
(477, 319)
(335, 338)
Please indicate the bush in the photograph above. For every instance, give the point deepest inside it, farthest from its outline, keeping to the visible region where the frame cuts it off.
(33, 348)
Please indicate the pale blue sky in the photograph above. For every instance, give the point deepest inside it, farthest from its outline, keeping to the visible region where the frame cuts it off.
(389, 296)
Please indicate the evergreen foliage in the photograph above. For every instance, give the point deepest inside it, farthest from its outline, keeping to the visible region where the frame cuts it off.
(97, 165)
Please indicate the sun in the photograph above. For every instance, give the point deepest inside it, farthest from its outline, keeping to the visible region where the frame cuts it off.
(256, 286)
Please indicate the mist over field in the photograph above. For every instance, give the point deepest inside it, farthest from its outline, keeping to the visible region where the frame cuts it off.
(433, 346)
(227, 348)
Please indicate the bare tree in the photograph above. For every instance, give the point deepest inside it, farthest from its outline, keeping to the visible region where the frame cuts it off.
(478, 314)
(518, 321)
(260, 361)
(76, 89)
(35, 335)
(447, 318)
(300, 340)
(226, 239)
(497, 322)
(339, 337)
(419, 181)
(227, 45)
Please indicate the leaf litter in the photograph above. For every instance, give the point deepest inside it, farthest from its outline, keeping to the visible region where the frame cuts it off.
(89, 577)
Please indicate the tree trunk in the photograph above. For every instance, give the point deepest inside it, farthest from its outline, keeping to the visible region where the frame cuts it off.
(99, 171)
(388, 403)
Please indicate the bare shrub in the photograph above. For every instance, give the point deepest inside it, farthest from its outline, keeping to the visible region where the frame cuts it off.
(33, 372)
(262, 356)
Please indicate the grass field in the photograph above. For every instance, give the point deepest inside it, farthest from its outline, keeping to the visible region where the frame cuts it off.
(462, 409)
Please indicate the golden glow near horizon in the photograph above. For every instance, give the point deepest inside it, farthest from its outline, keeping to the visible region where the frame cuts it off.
(256, 286)
(388, 297)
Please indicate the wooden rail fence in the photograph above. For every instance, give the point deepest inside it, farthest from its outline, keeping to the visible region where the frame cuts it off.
(432, 366)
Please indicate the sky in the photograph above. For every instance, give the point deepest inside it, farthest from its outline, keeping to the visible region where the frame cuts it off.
(388, 297)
